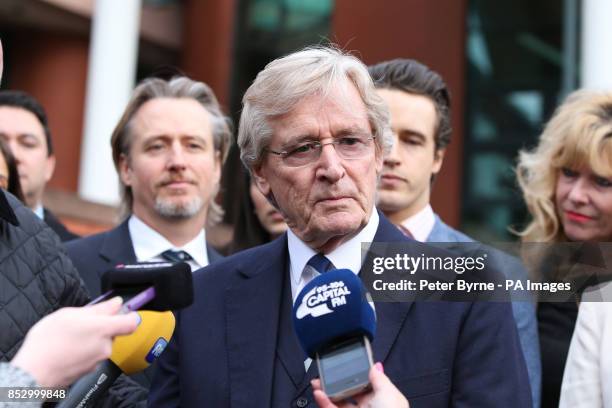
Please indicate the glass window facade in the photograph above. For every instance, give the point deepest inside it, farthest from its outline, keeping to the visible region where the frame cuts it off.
(522, 60)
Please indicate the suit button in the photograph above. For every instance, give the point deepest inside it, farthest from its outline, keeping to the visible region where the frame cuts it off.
(302, 402)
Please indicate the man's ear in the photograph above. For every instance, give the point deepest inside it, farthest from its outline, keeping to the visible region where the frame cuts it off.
(261, 180)
(438, 160)
(125, 172)
(49, 167)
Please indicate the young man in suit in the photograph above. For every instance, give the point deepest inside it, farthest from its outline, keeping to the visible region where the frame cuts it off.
(168, 149)
(313, 134)
(419, 105)
(25, 128)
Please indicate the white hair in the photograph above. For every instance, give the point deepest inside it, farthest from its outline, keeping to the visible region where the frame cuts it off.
(286, 81)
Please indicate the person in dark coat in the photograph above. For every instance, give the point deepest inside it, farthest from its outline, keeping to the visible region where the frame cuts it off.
(313, 133)
(9, 177)
(36, 279)
(168, 149)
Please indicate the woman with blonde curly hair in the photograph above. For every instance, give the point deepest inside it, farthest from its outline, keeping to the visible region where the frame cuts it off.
(567, 185)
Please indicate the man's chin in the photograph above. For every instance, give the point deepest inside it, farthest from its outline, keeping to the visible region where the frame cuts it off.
(390, 203)
(341, 222)
(178, 208)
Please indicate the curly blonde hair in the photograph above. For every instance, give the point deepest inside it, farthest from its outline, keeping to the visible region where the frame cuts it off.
(578, 135)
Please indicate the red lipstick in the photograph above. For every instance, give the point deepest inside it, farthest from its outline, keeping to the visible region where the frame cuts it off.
(577, 217)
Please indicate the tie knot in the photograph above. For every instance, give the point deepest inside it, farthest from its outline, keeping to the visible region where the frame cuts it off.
(176, 256)
(320, 263)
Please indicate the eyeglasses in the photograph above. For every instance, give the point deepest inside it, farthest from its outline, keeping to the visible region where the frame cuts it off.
(354, 146)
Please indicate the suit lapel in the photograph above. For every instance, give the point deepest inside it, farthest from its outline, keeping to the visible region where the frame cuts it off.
(441, 237)
(253, 303)
(117, 247)
(438, 232)
(213, 255)
(289, 351)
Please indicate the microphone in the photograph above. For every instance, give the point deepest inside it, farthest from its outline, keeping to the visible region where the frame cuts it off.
(130, 354)
(160, 285)
(334, 320)
(333, 307)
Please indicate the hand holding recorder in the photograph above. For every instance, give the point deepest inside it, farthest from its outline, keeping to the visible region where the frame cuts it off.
(383, 394)
(71, 341)
(335, 322)
(156, 287)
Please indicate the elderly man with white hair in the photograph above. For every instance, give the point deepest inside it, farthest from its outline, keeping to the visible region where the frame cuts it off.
(313, 133)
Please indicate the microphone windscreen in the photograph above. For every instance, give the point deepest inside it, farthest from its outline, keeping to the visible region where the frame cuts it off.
(332, 307)
(173, 283)
(135, 352)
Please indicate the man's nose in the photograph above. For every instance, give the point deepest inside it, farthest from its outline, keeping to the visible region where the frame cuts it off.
(14, 148)
(177, 158)
(330, 165)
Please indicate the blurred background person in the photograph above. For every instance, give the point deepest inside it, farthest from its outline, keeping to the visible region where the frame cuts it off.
(566, 182)
(168, 149)
(9, 178)
(258, 221)
(25, 129)
(420, 107)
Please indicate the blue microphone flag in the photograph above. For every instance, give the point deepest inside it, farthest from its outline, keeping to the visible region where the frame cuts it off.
(332, 307)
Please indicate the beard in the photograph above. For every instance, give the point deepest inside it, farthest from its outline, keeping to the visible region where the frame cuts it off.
(178, 210)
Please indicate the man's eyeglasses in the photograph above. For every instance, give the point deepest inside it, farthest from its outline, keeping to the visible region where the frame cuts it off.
(348, 147)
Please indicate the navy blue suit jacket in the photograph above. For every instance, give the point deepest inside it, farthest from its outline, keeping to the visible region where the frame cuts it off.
(96, 254)
(235, 346)
(524, 312)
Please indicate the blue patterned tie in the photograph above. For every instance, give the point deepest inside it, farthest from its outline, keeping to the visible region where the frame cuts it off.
(176, 256)
(320, 263)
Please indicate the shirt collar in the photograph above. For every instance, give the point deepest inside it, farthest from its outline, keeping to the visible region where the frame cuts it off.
(40, 212)
(342, 257)
(149, 243)
(421, 224)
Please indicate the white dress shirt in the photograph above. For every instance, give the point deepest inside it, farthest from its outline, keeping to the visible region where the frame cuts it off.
(346, 256)
(149, 244)
(40, 212)
(421, 224)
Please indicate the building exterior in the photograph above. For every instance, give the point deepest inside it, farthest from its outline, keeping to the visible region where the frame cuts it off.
(508, 63)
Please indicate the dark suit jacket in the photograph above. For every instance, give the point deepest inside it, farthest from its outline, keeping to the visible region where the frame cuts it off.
(57, 227)
(235, 346)
(98, 253)
(523, 311)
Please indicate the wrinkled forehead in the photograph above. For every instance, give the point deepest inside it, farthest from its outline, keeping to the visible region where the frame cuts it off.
(337, 111)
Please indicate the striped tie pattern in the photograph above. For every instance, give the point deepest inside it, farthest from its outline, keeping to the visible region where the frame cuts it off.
(176, 256)
(320, 263)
